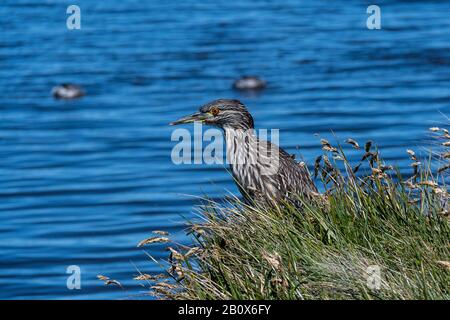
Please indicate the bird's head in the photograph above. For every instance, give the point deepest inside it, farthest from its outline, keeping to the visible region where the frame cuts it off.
(223, 113)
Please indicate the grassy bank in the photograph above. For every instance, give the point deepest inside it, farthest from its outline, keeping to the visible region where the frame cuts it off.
(368, 219)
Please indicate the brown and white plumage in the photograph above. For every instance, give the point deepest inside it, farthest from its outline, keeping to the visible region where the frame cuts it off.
(263, 172)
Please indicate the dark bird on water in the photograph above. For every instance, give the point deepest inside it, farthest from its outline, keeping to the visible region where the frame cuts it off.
(264, 173)
(67, 91)
(249, 83)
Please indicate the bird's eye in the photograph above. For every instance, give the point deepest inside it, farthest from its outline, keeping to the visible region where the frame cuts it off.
(214, 111)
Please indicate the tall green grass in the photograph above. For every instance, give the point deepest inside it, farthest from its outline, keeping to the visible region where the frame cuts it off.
(368, 218)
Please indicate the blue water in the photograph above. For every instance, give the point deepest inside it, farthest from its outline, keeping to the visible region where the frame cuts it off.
(82, 182)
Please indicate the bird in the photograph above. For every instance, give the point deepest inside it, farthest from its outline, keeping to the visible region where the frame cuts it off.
(67, 91)
(265, 174)
(249, 83)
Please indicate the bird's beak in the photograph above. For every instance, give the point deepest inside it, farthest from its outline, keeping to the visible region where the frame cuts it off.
(198, 116)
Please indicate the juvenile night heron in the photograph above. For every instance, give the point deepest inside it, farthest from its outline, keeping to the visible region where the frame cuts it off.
(263, 172)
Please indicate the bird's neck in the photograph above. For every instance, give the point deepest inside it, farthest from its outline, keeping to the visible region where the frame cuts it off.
(239, 135)
(253, 163)
(229, 131)
(241, 146)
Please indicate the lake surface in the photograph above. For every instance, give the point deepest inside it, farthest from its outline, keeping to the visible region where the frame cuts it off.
(82, 182)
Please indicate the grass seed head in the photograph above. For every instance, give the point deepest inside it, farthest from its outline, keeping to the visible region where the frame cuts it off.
(431, 184)
(273, 259)
(353, 143)
(144, 277)
(445, 264)
(176, 254)
(153, 240)
(161, 233)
